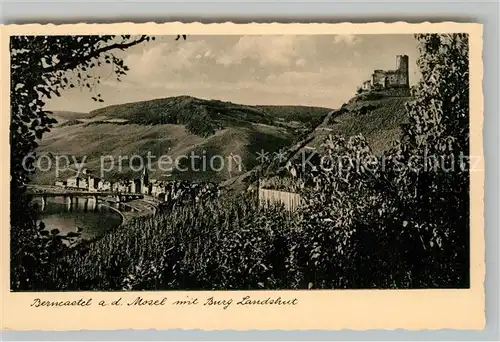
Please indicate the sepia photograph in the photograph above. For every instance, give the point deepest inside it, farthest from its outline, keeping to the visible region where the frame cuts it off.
(239, 162)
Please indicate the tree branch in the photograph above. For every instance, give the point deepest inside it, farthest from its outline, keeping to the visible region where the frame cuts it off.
(73, 62)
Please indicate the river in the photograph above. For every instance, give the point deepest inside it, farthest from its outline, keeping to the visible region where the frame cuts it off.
(94, 219)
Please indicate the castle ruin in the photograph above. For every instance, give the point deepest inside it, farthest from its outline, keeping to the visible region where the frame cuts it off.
(384, 79)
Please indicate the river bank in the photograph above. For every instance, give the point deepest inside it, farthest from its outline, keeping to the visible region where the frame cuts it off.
(136, 208)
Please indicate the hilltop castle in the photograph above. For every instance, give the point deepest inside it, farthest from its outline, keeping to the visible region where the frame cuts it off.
(383, 79)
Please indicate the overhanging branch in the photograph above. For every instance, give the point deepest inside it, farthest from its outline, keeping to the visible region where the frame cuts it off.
(75, 61)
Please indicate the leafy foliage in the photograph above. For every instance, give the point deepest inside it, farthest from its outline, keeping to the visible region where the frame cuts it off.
(405, 215)
(40, 67)
(216, 244)
(39, 71)
(34, 249)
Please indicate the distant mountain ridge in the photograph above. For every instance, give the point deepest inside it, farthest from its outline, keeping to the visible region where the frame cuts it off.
(64, 115)
(178, 126)
(243, 130)
(204, 117)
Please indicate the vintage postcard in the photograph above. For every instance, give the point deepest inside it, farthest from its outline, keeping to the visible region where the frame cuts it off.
(242, 176)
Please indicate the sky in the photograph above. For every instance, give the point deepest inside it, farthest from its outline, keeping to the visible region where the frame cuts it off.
(313, 70)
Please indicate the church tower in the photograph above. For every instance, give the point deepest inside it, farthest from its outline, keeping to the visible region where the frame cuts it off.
(144, 180)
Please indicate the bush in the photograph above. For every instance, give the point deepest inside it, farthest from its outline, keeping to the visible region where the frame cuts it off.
(404, 222)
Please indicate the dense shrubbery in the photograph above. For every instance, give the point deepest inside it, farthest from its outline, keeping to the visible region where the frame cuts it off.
(282, 183)
(231, 244)
(35, 248)
(219, 244)
(405, 214)
(39, 66)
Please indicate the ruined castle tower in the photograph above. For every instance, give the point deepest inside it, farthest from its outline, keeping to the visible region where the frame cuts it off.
(383, 79)
(402, 66)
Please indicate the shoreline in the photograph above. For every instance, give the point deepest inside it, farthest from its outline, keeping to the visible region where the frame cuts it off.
(126, 215)
(117, 211)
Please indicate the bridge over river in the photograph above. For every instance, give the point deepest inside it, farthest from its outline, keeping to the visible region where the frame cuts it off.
(72, 196)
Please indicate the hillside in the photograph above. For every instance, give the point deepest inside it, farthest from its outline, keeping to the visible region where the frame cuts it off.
(63, 116)
(127, 140)
(377, 115)
(291, 116)
(238, 130)
(204, 117)
(142, 127)
(70, 123)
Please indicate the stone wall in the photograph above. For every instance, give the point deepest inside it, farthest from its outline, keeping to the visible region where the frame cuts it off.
(378, 78)
(397, 78)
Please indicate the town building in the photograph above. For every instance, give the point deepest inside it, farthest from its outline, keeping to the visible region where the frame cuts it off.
(157, 189)
(73, 182)
(93, 183)
(135, 186)
(83, 183)
(60, 183)
(124, 187)
(88, 182)
(144, 185)
(103, 185)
